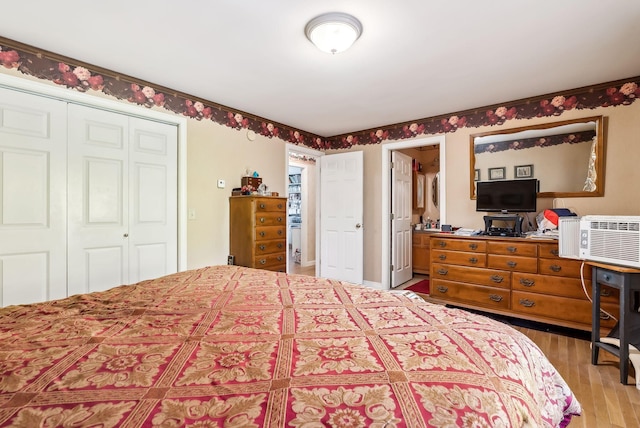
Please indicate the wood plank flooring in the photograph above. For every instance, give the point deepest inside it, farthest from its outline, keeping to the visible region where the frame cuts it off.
(605, 401)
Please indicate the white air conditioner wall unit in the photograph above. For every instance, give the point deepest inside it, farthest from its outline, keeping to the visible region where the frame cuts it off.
(569, 237)
(610, 239)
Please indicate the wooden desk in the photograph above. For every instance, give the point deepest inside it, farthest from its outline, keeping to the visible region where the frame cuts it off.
(627, 280)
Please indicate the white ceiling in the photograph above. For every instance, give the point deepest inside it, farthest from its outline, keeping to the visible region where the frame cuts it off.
(415, 58)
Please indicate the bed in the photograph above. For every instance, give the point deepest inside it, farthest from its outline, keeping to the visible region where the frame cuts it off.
(238, 347)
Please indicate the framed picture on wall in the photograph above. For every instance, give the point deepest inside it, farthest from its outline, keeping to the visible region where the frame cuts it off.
(476, 176)
(523, 171)
(497, 173)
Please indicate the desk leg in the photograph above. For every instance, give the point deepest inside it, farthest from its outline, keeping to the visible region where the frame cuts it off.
(595, 316)
(624, 322)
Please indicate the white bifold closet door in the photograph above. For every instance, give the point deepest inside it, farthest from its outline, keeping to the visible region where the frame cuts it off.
(122, 199)
(33, 204)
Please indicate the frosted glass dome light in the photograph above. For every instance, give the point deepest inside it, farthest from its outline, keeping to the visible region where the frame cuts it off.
(333, 32)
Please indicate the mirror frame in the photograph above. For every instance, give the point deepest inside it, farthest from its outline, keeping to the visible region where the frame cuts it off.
(599, 164)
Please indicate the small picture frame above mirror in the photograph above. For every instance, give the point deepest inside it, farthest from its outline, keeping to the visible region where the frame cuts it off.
(497, 173)
(523, 171)
(476, 175)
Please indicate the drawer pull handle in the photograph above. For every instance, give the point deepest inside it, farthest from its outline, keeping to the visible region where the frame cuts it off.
(280, 232)
(527, 303)
(555, 268)
(442, 257)
(527, 282)
(473, 246)
(495, 297)
(442, 271)
(263, 247)
(555, 252)
(442, 244)
(279, 258)
(604, 316)
(263, 261)
(497, 278)
(512, 264)
(605, 293)
(279, 219)
(442, 288)
(280, 206)
(262, 206)
(262, 233)
(279, 245)
(473, 260)
(512, 249)
(261, 219)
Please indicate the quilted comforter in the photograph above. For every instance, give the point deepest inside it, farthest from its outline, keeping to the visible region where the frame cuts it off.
(237, 347)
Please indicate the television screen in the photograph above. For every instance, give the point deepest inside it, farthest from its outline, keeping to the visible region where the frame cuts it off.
(507, 196)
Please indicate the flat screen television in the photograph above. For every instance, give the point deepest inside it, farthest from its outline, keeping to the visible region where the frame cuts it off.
(507, 196)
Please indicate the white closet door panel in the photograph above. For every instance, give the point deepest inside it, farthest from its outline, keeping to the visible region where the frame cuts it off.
(33, 138)
(153, 199)
(98, 199)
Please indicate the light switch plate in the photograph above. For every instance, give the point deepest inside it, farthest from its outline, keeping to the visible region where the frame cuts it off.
(221, 184)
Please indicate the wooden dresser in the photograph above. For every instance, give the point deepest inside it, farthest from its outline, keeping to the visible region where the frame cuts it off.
(421, 251)
(517, 277)
(258, 232)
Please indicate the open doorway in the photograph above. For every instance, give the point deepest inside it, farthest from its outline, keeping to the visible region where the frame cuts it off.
(434, 194)
(301, 209)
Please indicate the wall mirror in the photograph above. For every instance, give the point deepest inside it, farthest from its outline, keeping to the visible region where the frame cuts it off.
(566, 157)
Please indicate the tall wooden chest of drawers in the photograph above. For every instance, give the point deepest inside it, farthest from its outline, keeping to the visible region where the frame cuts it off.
(519, 277)
(258, 232)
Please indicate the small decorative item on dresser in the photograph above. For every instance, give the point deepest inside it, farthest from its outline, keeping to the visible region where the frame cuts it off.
(251, 181)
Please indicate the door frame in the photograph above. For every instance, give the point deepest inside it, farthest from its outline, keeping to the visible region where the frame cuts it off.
(386, 195)
(316, 154)
(67, 95)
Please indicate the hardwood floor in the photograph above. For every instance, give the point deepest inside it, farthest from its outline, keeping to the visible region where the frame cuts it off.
(605, 401)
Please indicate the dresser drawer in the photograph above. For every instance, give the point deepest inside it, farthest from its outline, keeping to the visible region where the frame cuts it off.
(458, 258)
(561, 308)
(512, 248)
(270, 204)
(480, 276)
(270, 218)
(268, 247)
(513, 263)
(267, 260)
(563, 267)
(497, 298)
(548, 251)
(467, 245)
(264, 233)
(560, 286)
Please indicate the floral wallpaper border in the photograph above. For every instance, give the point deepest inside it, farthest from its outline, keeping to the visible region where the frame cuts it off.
(527, 143)
(84, 77)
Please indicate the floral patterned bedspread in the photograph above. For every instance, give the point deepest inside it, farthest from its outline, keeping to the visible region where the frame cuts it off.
(238, 347)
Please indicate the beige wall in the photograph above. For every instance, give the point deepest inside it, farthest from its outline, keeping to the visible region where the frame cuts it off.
(217, 152)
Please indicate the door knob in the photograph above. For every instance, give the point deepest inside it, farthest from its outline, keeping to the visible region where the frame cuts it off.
(126, 235)
(358, 226)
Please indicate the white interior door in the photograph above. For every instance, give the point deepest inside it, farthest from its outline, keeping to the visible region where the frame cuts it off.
(341, 217)
(122, 196)
(98, 243)
(33, 140)
(153, 217)
(401, 205)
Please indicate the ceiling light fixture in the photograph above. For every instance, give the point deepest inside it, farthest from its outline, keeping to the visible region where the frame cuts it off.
(333, 32)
